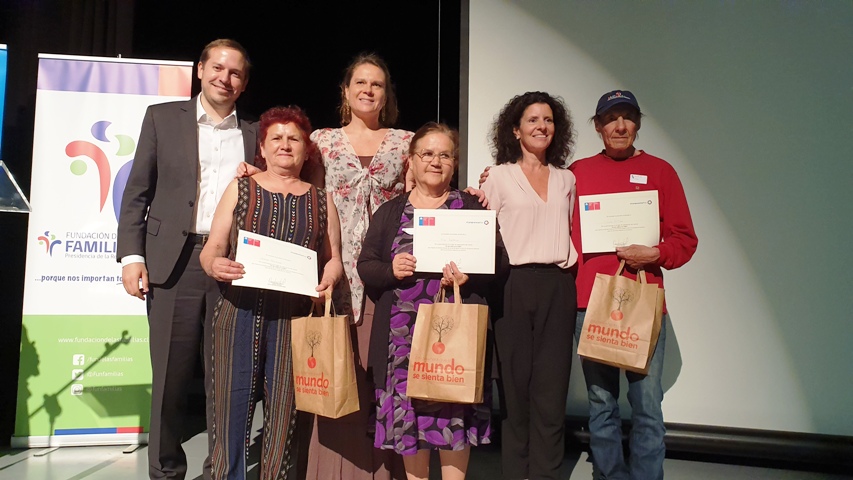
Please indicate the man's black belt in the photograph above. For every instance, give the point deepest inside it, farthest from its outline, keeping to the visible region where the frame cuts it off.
(197, 238)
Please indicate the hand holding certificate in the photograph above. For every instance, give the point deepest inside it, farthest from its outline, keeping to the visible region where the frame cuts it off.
(619, 219)
(276, 265)
(466, 237)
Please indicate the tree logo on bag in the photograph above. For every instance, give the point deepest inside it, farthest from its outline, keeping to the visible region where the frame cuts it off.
(620, 297)
(312, 338)
(440, 325)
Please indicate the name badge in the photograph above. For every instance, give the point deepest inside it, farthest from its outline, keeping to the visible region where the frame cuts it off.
(641, 179)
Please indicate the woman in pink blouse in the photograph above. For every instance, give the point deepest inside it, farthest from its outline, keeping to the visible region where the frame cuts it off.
(365, 167)
(532, 192)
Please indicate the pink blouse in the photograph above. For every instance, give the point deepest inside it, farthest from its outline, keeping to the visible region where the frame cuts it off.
(533, 230)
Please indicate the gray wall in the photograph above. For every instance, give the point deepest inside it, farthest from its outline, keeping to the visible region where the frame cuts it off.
(752, 103)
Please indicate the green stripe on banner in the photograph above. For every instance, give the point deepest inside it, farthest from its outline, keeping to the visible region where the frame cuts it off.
(83, 372)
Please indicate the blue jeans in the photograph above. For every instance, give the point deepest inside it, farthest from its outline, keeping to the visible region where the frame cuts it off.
(645, 395)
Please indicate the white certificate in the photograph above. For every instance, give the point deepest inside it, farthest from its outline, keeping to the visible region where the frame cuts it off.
(466, 237)
(619, 219)
(276, 265)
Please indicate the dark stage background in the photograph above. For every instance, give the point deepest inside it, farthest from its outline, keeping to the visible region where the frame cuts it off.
(299, 51)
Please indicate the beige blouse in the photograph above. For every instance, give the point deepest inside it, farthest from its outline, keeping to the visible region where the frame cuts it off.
(534, 231)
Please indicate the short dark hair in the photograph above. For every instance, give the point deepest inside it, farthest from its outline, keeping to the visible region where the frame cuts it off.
(388, 115)
(434, 127)
(227, 43)
(507, 149)
(290, 114)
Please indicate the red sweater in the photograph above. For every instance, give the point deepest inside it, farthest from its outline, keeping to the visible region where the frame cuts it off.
(601, 174)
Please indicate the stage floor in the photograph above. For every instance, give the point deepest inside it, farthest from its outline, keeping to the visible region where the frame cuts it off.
(110, 463)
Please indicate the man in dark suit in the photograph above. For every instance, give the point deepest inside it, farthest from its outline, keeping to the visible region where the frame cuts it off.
(188, 153)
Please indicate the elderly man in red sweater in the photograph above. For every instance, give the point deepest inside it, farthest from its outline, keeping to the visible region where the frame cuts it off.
(621, 167)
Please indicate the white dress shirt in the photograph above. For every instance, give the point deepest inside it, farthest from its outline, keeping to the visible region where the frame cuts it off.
(220, 151)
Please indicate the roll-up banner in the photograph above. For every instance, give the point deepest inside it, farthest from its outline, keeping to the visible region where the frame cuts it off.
(85, 374)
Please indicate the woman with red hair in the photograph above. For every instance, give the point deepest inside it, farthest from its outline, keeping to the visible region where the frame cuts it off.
(251, 327)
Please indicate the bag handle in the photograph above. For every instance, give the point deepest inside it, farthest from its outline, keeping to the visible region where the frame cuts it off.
(329, 307)
(318, 308)
(457, 297)
(641, 274)
(440, 296)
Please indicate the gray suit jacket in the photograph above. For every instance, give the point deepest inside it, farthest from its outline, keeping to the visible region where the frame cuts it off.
(157, 205)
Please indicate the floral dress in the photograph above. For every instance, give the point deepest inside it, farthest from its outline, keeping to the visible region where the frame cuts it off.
(408, 425)
(357, 193)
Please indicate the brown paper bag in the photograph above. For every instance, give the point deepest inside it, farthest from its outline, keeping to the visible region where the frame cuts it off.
(448, 353)
(323, 365)
(622, 322)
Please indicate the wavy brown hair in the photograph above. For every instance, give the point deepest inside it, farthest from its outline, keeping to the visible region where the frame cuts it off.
(507, 149)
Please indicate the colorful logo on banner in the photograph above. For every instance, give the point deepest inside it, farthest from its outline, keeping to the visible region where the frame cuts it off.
(126, 147)
(49, 241)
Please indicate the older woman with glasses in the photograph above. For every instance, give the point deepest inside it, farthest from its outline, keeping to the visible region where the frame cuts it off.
(407, 426)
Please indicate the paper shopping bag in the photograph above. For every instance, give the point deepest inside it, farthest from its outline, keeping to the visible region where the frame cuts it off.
(447, 359)
(323, 364)
(622, 322)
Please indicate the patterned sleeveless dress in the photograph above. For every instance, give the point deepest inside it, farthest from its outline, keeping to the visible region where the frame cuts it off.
(251, 338)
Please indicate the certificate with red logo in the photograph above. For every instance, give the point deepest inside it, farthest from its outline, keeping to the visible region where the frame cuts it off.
(466, 237)
(276, 265)
(619, 219)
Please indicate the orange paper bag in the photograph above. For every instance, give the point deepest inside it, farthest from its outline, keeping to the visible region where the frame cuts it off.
(323, 364)
(622, 322)
(448, 353)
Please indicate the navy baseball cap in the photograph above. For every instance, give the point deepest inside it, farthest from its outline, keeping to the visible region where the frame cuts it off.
(616, 97)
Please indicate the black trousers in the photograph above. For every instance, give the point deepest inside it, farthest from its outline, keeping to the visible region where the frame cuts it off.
(180, 314)
(534, 342)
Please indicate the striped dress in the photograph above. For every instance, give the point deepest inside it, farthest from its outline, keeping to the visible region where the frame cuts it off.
(251, 338)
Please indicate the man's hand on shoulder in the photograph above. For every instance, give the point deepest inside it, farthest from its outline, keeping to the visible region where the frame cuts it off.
(134, 277)
(481, 196)
(485, 175)
(246, 170)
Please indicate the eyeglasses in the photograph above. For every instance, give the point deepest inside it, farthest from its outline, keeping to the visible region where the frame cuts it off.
(428, 156)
